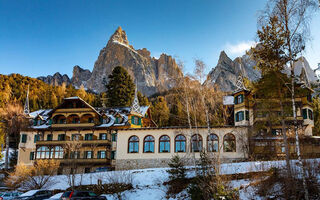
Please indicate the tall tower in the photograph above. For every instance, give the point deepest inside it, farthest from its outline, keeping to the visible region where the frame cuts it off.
(26, 105)
(135, 104)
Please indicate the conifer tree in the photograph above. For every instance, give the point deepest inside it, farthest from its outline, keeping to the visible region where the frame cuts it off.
(160, 111)
(178, 170)
(143, 100)
(120, 88)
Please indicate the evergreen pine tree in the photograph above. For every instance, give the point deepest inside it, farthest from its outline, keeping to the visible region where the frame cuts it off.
(178, 170)
(160, 112)
(143, 100)
(120, 88)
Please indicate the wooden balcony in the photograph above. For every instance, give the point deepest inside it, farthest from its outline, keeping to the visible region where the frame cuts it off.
(85, 161)
(72, 125)
(83, 142)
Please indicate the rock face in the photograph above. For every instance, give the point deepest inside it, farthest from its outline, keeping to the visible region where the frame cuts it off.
(152, 75)
(80, 76)
(225, 74)
(56, 79)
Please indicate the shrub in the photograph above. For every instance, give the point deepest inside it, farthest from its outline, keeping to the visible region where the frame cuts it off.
(38, 176)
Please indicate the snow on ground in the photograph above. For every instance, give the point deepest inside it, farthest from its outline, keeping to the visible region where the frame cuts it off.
(148, 183)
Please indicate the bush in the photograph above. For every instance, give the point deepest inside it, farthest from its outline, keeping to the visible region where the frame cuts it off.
(178, 170)
(38, 176)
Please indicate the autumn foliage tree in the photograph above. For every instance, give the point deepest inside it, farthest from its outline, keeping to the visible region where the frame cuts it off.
(38, 176)
(12, 120)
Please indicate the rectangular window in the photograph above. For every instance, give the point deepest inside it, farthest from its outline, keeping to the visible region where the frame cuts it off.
(114, 137)
(239, 116)
(88, 136)
(247, 115)
(61, 137)
(276, 132)
(310, 113)
(36, 138)
(75, 137)
(88, 154)
(101, 154)
(31, 155)
(304, 113)
(113, 155)
(49, 137)
(24, 138)
(132, 120)
(238, 99)
(102, 136)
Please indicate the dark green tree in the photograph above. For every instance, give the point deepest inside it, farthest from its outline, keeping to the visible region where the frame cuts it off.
(160, 111)
(120, 88)
(143, 100)
(177, 169)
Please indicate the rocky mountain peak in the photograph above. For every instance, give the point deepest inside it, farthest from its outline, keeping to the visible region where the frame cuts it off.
(80, 76)
(119, 36)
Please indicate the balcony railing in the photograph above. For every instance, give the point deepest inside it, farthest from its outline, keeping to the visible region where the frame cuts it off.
(83, 142)
(72, 125)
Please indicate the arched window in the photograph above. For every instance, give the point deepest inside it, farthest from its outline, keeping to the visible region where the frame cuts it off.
(148, 144)
(229, 143)
(58, 152)
(86, 118)
(133, 146)
(164, 144)
(196, 143)
(74, 119)
(59, 119)
(213, 143)
(180, 143)
(43, 152)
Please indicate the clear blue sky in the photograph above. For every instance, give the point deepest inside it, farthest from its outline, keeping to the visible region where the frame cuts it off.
(47, 36)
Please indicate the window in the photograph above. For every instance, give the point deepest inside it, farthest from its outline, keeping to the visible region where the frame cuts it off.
(24, 138)
(102, 136)
(75, 155)
(49, 137)
(213, 143)
(114, 137)
(90, 120)
(31, 155)
(180, 143)
(238, 99)
(43, 152)
(309, 98)
(164, 145)
(276, 132)
(229, 143)
(58, 152)
(310, 113)
(88, 136)
(133, 144)
(247, 115)
(61, 137)
(239, 116)
(36, 138)
(148, 144)
(86, 170)
(304, 113)
(88, 154)
(101, 154)
(196, 143)
(75, 137)
(113, 155)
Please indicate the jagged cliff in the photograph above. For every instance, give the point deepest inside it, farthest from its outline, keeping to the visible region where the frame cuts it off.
(225, 74)
(152, 75)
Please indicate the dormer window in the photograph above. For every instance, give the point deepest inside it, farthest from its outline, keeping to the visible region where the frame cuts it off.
(39, 122)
